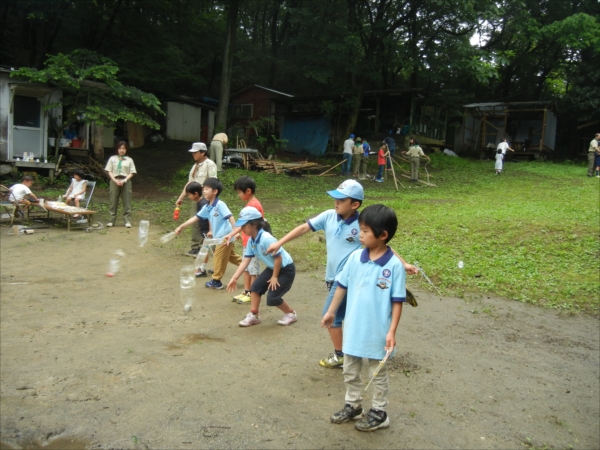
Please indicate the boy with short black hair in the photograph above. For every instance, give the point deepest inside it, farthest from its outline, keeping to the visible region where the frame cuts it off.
(221, 223)
(374, 282)
(246, 188)
(21, 192)
(193, 191)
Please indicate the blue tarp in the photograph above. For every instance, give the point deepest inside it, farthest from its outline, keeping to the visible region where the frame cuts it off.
(306, 135)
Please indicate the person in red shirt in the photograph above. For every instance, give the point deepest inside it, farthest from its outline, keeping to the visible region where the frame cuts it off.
(246, 189)
(381, 159)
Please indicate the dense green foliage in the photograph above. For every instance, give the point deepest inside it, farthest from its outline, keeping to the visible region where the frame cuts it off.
(528, 49)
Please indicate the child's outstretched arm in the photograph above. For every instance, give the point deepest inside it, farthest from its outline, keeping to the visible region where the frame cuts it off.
(186, 224)
(328, 317)
(232, 285)
(390, 339)
(410, 269)
(234, 232)
(295, 233)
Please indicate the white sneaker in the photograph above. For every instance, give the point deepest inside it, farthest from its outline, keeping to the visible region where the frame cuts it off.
(109, 224)
(250, 320)
(288, 318)
(127, 225)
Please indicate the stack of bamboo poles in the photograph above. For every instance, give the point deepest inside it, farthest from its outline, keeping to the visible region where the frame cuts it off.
(277, 167)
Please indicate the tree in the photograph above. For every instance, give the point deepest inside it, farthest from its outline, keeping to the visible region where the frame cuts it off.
(226, 74)
(92, 93)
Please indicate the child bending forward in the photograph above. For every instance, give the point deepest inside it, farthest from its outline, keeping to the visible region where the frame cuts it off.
(276, 280)
(374, 281)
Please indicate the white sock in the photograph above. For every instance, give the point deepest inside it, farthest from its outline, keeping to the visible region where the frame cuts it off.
(202, 266)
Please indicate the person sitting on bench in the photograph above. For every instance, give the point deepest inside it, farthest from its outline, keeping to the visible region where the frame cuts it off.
(21, 192)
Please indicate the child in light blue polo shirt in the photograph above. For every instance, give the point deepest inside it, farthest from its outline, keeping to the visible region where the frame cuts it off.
(220, 222)
(278, 276)
(374, 281)
(341, 236)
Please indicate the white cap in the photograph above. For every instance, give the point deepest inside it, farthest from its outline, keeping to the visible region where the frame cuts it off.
(198, 147)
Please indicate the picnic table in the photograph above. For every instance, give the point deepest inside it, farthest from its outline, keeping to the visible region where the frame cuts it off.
(69, 211)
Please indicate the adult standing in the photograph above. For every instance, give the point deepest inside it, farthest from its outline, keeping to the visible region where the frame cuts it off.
(120, 169)
(202, 169)
(357, 154)
(414, 154)
(217, 145)
(347, 155)
(391, 143)
(504, 147)
(592, 151)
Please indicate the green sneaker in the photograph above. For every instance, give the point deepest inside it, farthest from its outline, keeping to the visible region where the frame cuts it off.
(244, 297)
(332, 361)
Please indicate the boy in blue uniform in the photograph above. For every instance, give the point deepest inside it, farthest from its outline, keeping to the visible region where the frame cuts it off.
(277, 278)
(341, 236)
(374, 281)
(221, 223)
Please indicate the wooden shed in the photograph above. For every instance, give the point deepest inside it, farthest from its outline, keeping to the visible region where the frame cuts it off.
(529, 127)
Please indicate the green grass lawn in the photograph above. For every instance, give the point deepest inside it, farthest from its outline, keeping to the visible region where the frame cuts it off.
(531, 234)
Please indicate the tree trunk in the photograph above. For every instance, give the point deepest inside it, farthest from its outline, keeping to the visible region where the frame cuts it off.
(353, 114)
(99, 143)
(232, 20)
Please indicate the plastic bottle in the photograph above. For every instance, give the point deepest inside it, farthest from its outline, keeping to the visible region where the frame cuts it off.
(168, 237)
(187, 284)
(176, 213)
(200, 257)
(114, 264)
(143, 232)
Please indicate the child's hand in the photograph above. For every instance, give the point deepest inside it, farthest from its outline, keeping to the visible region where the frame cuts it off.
(273, 248)
(410, 269)
(232, 285)
(390, 341)
(273, 283)
(209, 234)
(178, 230)
(327, 320)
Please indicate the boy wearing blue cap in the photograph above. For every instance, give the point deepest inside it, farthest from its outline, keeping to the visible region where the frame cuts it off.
(341, 237)
(278, 276)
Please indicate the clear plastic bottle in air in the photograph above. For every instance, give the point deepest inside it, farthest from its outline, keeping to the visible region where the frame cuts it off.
(143, 230)
(202, 252)
(187, 284)
(168, 237)
(114, 264)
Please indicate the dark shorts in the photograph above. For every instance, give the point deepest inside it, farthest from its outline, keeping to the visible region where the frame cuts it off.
(286, 278)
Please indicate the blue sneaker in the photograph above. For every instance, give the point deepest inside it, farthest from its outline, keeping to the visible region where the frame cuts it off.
(214, 284)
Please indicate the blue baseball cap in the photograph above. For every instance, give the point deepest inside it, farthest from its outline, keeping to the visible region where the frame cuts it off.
(247, 214)
(351, 136)
(348, 189)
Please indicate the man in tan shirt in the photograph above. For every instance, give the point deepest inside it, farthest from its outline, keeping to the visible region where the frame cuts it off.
(218, 143)
(202, 169)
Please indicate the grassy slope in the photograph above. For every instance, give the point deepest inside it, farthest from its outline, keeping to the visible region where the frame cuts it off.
(531, 234)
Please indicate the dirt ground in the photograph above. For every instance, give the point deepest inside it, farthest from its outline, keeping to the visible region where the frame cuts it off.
(94, 362)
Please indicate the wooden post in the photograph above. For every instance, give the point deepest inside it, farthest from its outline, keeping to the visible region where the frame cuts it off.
(331, 168)
(543, 131)
(393, 173)
(99, 142)
(483, 131)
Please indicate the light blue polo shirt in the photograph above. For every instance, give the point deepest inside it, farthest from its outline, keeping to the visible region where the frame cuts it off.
(372, 288)
(341, 238)
(258, 247)
(218, 215)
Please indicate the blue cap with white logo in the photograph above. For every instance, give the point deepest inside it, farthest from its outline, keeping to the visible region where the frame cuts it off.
(247, 214)
(348, 189)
